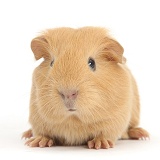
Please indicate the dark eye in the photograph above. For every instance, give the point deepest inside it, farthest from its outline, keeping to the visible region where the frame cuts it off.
(51, 64)
(92, 64)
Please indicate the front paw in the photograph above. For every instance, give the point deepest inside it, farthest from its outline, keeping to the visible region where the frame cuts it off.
(98, 143)
(27, 134)
(40, 141)
(138, 133)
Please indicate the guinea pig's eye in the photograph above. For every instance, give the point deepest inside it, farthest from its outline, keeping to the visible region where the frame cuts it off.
(92, 64)
(51, 64)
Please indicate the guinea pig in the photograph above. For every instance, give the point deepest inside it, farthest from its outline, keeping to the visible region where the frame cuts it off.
(83, 92)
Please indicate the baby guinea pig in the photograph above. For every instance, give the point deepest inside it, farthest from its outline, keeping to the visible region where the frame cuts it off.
(83, 92)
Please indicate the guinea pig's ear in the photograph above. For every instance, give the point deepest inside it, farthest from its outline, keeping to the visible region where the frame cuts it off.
(39, 46)
(113, 51)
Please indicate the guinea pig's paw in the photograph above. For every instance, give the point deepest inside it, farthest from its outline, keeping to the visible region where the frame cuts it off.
(138, 133)
(27, 134)
(98, 143)
(40, 141)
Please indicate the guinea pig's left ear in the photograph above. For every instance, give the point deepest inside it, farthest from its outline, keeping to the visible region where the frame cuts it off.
(39, 46)
(113, 51)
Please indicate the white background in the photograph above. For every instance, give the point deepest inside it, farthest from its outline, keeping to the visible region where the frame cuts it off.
(135, 24)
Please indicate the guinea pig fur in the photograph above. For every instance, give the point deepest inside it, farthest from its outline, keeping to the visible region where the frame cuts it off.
(83, 92)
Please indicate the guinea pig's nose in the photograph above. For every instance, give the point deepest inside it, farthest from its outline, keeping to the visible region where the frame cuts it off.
(69, 94)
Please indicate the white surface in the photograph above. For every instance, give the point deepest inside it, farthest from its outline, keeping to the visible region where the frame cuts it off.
(135, 24)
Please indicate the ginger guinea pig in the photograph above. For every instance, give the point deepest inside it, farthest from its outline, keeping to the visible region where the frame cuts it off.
(83, 92)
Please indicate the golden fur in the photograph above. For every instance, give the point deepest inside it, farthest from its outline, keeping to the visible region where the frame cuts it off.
(106, 106)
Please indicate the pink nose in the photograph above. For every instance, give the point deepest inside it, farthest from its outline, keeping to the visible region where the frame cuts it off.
(69, 94)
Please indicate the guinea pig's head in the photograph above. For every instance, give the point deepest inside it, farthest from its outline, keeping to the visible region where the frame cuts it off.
(75, 79)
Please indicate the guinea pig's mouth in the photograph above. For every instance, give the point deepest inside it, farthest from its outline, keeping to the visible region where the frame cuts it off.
(72, 110)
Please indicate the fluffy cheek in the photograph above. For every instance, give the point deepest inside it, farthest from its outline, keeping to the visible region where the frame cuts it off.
(90, 106)
(50, 105)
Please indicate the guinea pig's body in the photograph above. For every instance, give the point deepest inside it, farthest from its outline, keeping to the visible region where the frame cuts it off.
(82, 92)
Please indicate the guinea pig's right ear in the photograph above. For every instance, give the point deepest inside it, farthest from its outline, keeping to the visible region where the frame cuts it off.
(39, 46)
(113, 51)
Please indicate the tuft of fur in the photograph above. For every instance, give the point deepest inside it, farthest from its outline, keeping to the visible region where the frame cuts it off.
(106, 106)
